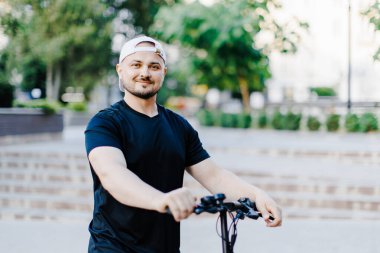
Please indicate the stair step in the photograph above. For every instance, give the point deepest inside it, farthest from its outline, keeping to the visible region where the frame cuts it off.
(310, 186)
(328, 213)
(29, 176)
(373, 206)
(42, 165)
(22, 200)
(44, 214)
(48, 189)
(14, 155)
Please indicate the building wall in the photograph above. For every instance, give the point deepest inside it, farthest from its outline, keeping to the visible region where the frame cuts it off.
(322, 58)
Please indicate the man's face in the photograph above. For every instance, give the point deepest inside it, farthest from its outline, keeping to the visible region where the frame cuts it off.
(142, 73)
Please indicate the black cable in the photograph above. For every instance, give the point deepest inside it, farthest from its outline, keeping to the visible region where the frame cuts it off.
(234, 235)
(216, 227)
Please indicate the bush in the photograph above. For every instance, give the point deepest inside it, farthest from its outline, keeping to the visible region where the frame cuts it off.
(244, 120)
(206, 117)
(313, 123)
(6, 94)
(289, 121)
(215, 118)
(228, 120)
(278, 121)
(77, 106)
(351, 123)
(292, 121)
(368, 122)
(46, 107)
(323, 91)
(332, 122)
(262, 120)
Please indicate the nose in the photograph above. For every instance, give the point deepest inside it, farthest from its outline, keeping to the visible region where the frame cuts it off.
(144, 72)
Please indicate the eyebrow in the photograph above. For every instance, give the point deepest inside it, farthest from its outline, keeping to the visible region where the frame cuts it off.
(153, 62)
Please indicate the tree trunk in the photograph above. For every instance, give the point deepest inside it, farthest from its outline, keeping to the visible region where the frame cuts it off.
(49, 81)
(53, 81)
(57, 81)
(245, 94)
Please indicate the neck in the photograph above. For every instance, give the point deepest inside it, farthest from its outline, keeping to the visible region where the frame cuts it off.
(144, 106)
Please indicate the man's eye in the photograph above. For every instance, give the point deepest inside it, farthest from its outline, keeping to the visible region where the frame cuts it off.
(136, 65)
(155, 67)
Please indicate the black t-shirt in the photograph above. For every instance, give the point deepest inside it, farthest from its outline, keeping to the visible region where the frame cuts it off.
(157, 149)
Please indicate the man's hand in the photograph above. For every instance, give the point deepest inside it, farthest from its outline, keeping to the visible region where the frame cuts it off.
(180, 202)
(268, 207)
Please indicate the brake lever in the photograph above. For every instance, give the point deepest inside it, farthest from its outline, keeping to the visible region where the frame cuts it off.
(252, 211)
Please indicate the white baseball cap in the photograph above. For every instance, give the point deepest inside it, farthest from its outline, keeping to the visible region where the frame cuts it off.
(130, 47)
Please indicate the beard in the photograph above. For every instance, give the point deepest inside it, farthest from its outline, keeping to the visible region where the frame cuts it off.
(143, 95)
(140, 94)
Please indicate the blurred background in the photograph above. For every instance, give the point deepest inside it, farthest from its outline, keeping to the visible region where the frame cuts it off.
(283, 92)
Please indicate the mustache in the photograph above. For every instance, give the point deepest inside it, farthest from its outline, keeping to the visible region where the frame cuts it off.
(144, 79)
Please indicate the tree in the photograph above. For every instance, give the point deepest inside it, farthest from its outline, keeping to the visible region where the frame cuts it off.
(373, 15)
(140, 12)
(221, 40)
(72, 39)
(6, 89)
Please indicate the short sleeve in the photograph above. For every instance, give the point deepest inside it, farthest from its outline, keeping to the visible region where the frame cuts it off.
(102, 130)
(195, 152)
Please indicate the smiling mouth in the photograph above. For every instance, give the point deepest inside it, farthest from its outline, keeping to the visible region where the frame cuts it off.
(144, 82)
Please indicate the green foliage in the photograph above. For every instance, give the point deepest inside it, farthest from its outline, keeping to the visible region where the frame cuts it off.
(323, 91)
(228, 120)
(70, 39)
(47, 107)
(262, 120)
(244, 120)
(34, 75)
(289, 121)
(6, 89)
(6, 93)
(313, 123)
(293, 121)
(207, 117)
(372, 13)
(278, 121)
(332, 122)
(142, 11)
(220, 41)
(351, 122)
(77, 106)
(368, 122)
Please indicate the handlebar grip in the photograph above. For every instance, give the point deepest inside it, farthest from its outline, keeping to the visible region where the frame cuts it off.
(198, 210)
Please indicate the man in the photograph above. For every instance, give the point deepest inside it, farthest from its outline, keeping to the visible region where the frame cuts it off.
(138, 152)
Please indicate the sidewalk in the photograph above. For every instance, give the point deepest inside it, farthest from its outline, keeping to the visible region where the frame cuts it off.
(199, 236)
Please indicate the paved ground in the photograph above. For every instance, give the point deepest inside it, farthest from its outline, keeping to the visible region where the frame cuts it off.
(198, 234)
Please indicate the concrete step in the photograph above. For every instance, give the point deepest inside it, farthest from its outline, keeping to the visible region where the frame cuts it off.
(14, 213)
(48, 188)
(44, 163)
(328, 213)
(357, 156)
(352, 156)
(53, 186)
(309, 185)
(36, 176)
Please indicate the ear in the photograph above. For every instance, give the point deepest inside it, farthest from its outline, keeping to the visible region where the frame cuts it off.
(118, 69)
(165, 70)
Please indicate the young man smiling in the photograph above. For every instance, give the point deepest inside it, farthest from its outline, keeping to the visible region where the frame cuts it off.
(138, 152)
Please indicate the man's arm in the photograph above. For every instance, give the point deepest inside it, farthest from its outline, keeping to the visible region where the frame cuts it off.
(126, 187)
(218, 180)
